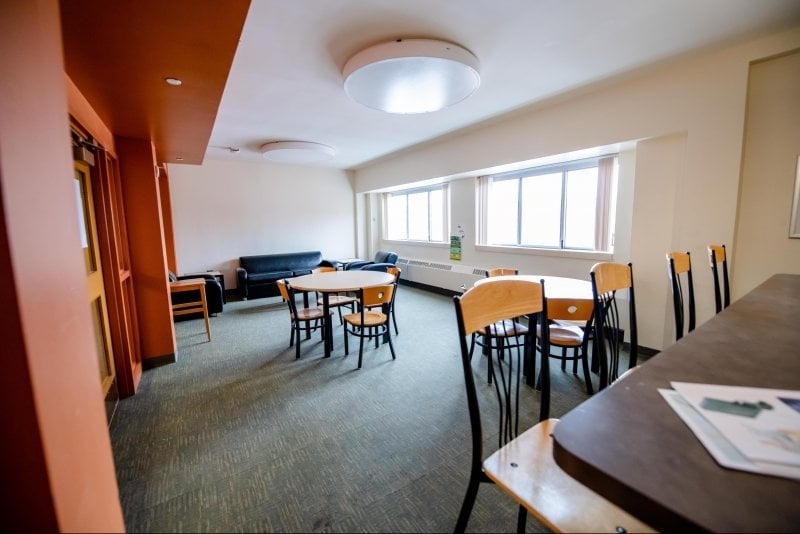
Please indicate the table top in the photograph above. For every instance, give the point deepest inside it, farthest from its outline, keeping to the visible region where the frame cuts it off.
(554, 286)
(335, 281)
(627, 444)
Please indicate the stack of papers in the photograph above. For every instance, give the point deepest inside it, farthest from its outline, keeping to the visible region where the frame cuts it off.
(750, 429)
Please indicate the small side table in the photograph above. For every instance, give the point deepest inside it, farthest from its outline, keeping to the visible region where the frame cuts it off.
(216, 274)
(191, 284)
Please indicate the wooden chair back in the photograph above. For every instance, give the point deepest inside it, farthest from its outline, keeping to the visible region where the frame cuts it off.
(287, 294)
(679, 270)
(608, 279)
(501, 271)
(372, 297)
(394, 271)
(573, 310)
(717, 255)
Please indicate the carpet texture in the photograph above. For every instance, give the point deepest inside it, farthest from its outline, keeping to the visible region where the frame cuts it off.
(239, 436)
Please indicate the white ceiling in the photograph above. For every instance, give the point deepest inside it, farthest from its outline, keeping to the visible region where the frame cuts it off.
(286, 82)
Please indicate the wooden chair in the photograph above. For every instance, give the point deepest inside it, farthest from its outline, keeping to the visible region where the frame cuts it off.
(302, 318)
(718, 255)
(336, 300)
(394, 271)
(570, 328)
(367, 323)
(607, 280)
(680, 263)
(510, 333)
(495, 303)
(526, 470)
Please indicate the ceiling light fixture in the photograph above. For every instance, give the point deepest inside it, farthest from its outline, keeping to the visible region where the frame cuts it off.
(299, 152)
(173, 81)
(411, 75)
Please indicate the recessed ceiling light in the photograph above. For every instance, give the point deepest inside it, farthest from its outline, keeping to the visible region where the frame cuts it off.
(173, 81)
(179, 158)
(411, 75)
(296, 152)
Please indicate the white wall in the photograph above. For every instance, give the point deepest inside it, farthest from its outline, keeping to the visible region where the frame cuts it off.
(686, 182)
(772, 146)
(225, 209)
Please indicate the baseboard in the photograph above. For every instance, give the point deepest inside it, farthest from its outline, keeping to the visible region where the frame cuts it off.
(158, 361)
(432, 289)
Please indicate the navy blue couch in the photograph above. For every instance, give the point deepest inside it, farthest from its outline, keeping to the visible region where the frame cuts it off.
(381, 256)
(257, 274)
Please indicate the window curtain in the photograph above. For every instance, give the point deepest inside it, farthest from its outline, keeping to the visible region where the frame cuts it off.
(605, 172)
(482, 215)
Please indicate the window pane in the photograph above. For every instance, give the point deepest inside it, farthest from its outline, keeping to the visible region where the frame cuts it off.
(541, 210)
(396, 226)
(418, 216)
(502, 216)
(436, 215)
(581, 208)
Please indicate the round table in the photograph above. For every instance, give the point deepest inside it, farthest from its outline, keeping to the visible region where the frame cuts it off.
(335, 282)
(555, 287)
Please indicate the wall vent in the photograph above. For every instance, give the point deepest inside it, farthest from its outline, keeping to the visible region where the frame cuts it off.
(444, 275)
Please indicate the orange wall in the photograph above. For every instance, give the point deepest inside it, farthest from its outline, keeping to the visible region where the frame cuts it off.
(56, 464)
(140, 187)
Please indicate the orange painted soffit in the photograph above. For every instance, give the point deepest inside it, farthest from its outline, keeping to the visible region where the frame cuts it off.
(119, 53)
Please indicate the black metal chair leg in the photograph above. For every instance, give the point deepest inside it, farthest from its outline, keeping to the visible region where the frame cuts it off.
(361, 349)
(389, 338)
(467, 504)
(587, 377)
(522, 516)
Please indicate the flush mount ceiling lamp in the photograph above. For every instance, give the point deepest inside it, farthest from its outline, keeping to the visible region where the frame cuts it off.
(411, 75)
(298, 152)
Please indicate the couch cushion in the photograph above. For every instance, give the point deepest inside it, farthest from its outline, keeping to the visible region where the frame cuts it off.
(266, 263)
(260, 278)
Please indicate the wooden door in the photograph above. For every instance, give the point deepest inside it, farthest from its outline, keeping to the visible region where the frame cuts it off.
(94, 278)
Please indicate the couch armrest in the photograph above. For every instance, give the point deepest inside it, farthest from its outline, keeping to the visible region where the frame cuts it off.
(355, 265)
(241, 277)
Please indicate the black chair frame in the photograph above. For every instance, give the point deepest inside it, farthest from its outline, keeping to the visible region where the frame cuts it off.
(376, 332)
(506, 370)
(722, 299)
(297, 324)
(681, 301)
(609, 336)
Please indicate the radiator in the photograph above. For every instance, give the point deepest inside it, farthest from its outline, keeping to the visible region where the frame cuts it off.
(444, 275)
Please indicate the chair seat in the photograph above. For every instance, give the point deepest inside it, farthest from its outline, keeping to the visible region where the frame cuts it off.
(564, 336)
(338, 300)
(507, 328)
(370, 319)
(309, 314)
(550, 494)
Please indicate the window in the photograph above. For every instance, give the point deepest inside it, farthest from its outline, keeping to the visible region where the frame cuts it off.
(416, 214)
(564, 206)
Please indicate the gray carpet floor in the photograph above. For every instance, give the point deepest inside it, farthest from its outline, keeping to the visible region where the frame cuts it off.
(239, 436)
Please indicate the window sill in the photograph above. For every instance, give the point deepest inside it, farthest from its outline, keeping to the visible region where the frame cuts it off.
(554, 253)
(433, 244)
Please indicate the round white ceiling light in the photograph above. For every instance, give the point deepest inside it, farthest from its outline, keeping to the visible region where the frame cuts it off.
(298, 152)
(411, 75)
